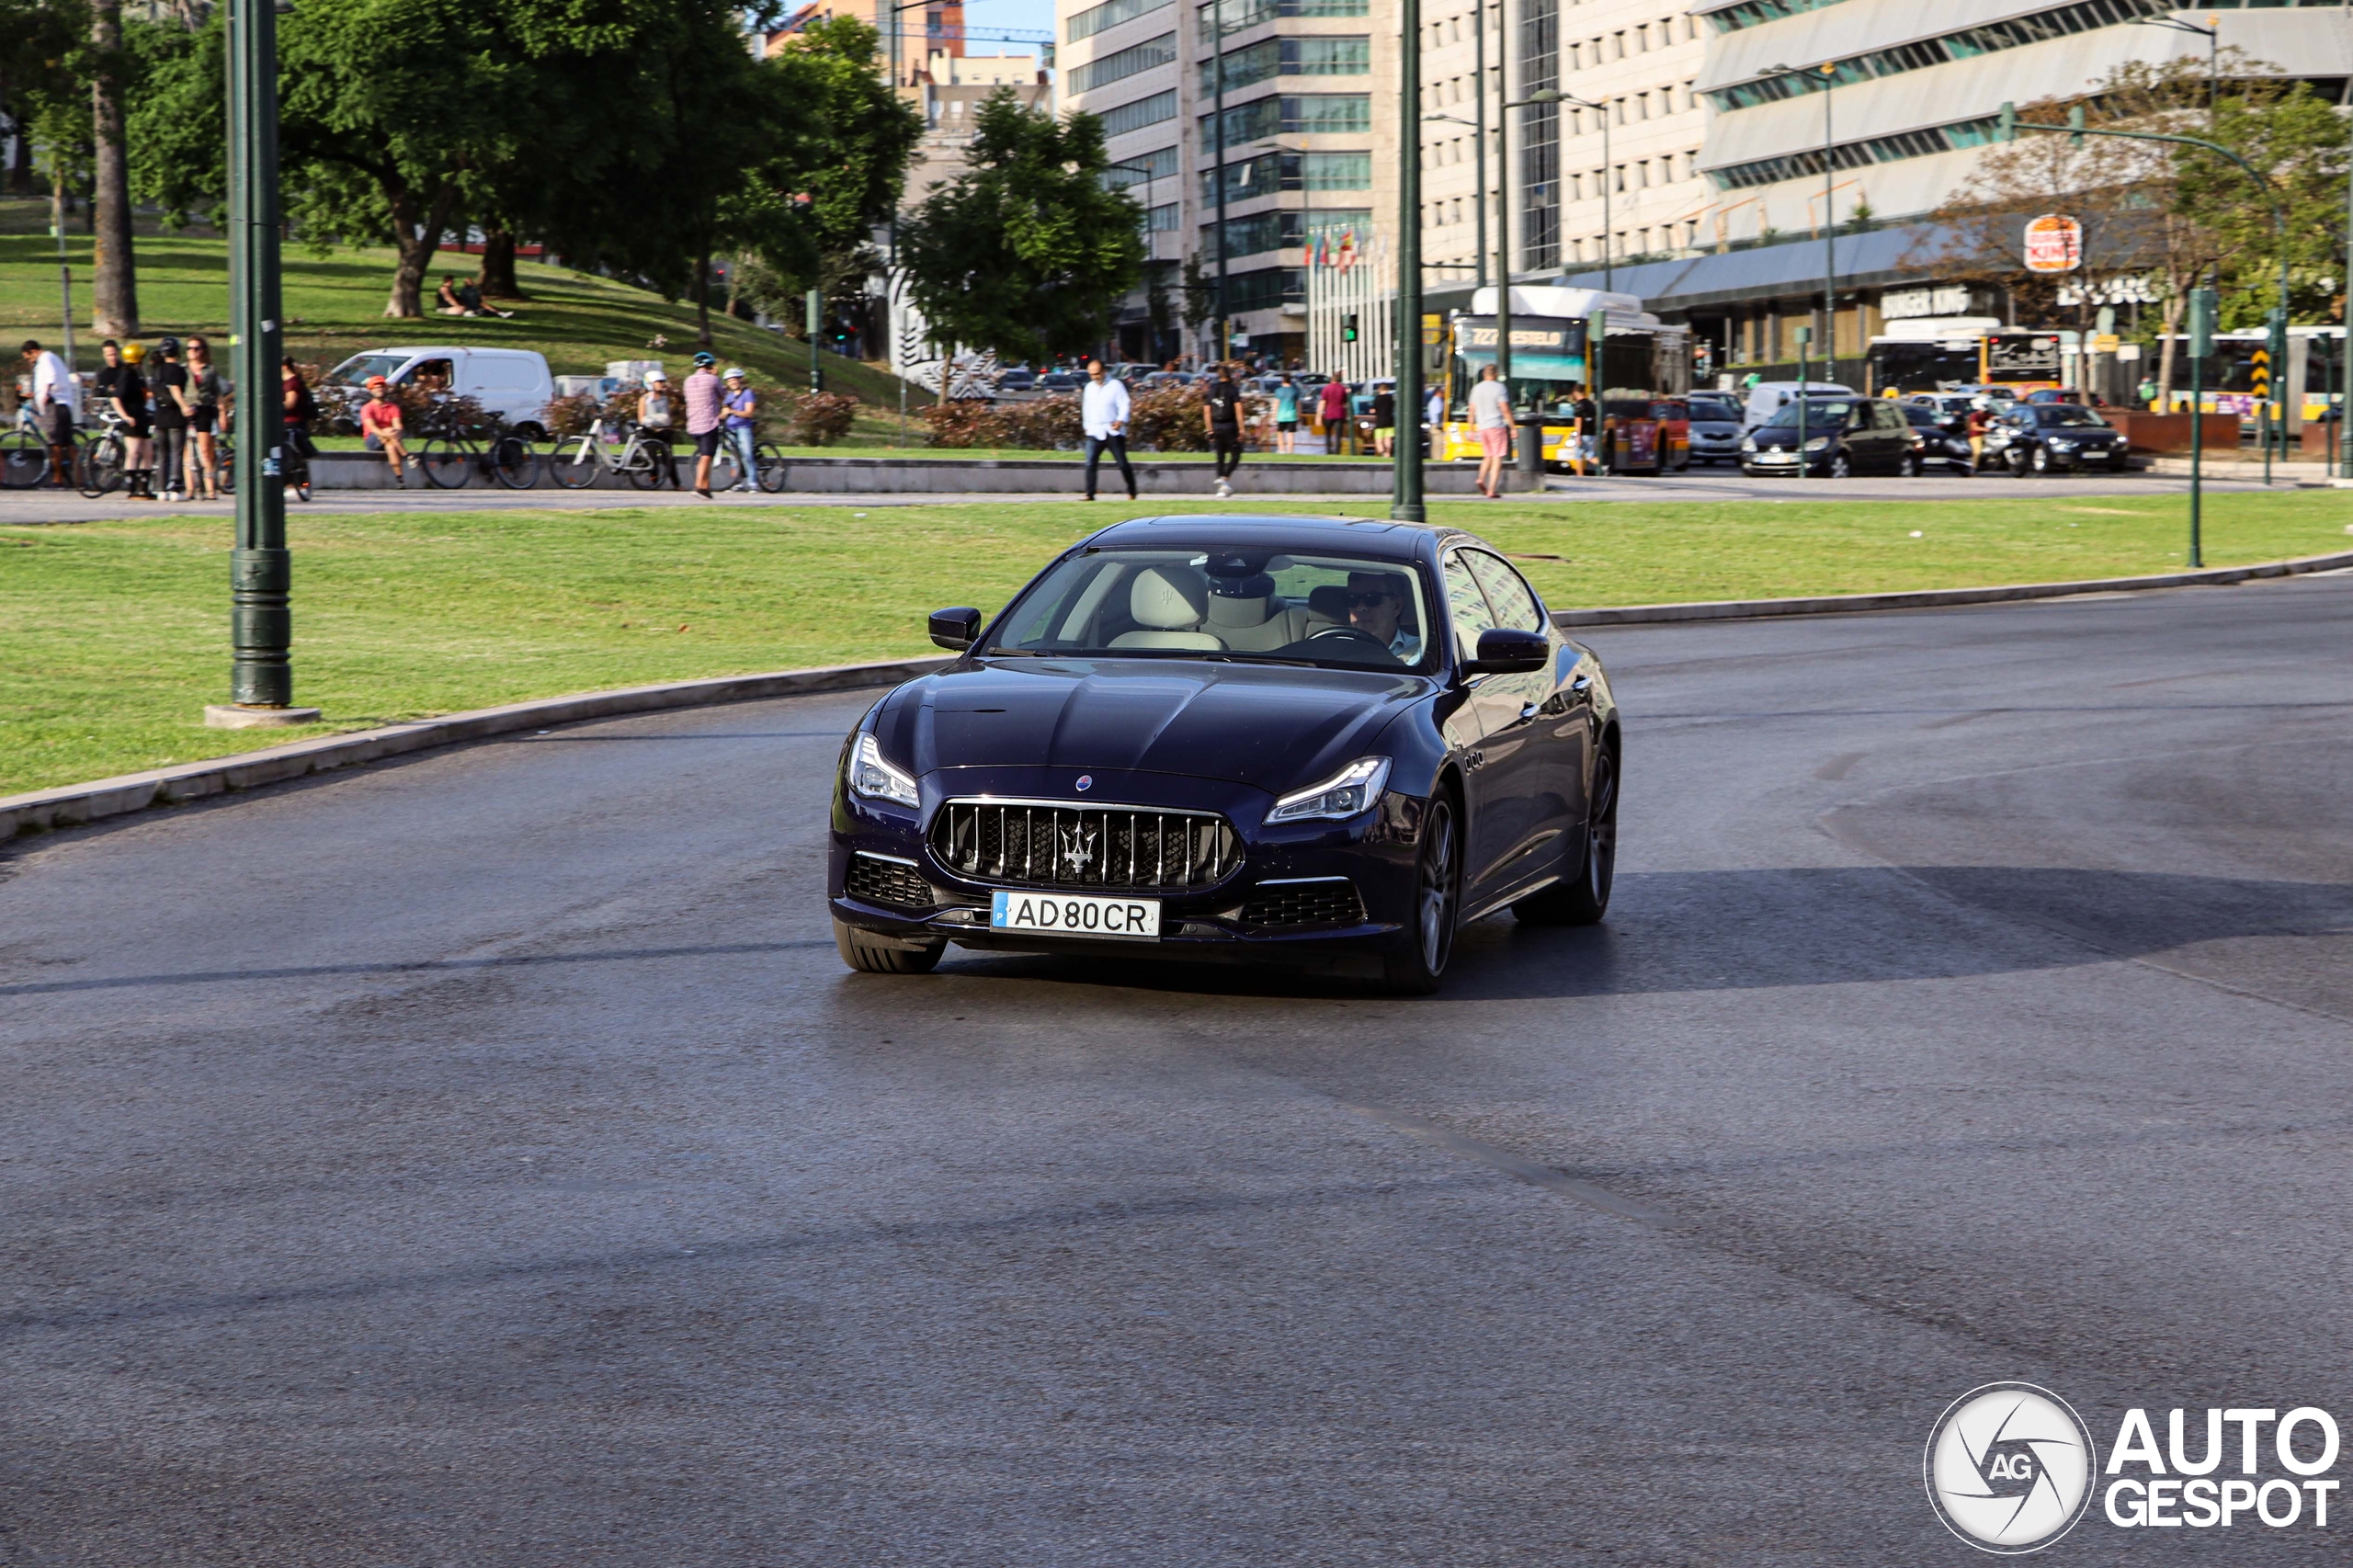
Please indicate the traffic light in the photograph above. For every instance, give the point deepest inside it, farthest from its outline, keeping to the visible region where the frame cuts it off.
(2005, 129)
(1348, 327)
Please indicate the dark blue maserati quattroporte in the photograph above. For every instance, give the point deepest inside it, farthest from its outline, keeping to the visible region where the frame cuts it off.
(1315, 740)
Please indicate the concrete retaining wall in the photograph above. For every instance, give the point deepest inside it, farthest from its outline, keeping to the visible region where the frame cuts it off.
(960, 476)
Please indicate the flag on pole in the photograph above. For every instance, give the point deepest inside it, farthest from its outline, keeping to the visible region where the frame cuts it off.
(1347, 250)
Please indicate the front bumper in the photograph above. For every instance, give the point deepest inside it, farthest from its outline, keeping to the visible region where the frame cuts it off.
(1375, 852)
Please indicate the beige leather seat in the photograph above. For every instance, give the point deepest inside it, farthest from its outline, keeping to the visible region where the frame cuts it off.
(1257, 624)
(1168, 603)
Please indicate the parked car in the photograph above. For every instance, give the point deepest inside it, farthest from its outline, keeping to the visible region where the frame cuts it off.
(1714, 429)
(2055, 438)
(1018, 379)
(512, 384)
(1840, 436)
(1768, 398)
(1060, 381)
(1939, 439)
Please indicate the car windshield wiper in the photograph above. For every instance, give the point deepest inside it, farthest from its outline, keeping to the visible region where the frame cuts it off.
(1230, 658)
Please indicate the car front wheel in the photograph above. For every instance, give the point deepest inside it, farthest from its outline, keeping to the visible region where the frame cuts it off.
(1417, 966)
(1840, 468)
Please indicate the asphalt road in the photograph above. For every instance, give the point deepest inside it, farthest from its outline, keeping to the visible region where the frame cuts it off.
(485, 1161)
(22, 507)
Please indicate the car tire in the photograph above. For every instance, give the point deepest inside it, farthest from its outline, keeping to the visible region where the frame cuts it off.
(2119, 462)
(1840, 468)
(880, 955)
(1910, 466)
(1419, 964)
(2040, 462)
(1584, 899)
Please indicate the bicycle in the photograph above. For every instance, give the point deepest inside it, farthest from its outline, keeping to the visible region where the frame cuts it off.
(450, 454)
(768, 466)
(575, 462)
(24, 452)
(104, 458)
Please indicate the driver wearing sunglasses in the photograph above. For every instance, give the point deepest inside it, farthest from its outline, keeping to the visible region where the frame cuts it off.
(1375, 607)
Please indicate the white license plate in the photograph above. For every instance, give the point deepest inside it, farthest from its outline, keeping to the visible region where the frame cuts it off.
(1077, 914)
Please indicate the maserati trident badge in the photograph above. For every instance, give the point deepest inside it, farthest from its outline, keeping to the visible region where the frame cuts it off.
(1085, 782)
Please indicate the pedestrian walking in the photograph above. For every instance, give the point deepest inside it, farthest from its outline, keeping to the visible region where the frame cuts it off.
(168, 381)
(57, 397)
(656, 417)
(2146, 393)
(301, 408)
(1385, 421)
(120, 387)
(705, 413)
(1587, 415)
(206, 391)
(1287, 416)
(742, 407)
(1332, 405)
(1979, 418)
(1222, 413)
(381, 423)
(1491, 417)
(1103, 412)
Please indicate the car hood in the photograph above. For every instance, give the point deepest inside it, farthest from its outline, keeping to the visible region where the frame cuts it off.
(1272, 727)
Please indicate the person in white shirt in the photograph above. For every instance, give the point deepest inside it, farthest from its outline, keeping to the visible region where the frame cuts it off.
(1103, 409)
(1491, 417)
(56, 399)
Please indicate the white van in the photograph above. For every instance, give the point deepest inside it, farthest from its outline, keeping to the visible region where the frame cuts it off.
(1766, 397)
(513, 383)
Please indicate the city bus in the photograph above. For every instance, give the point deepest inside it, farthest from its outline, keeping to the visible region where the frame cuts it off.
(1643, 360)
(1942, 355)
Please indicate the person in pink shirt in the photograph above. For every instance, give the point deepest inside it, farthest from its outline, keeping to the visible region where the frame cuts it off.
(705, 411)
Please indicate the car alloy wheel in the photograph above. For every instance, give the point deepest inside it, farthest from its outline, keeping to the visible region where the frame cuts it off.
(1415, 971)
(1840, 468)
(1910, 466)
(2040, 462)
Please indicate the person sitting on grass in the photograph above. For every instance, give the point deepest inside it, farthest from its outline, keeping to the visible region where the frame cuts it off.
(379, 422)
(450, 304)
(469, 295)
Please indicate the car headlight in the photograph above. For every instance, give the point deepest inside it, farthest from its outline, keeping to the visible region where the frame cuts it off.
(1817, 444)
(2061, 444)
(873, 776)
(1748, 445)
(1346, 793)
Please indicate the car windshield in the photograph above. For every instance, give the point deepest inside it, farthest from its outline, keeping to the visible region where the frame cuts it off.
(1242, 603)
(355, 371)
(1819, 414)
(2067, 413)
(1714, 409)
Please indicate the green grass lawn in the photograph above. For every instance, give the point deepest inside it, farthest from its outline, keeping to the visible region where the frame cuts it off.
(335, 308)
(114, 635)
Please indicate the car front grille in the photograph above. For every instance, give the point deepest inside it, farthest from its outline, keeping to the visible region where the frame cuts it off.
(1052, 844)
(874, 879)
(1326, 901)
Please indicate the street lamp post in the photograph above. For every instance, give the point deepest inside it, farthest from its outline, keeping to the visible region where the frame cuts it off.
(261, 680)
(1405, 482)
(1829, 215)
(1531, 446)
(1217, 117)
(1608, 238)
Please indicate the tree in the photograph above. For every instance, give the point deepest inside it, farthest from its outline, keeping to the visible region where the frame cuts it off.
(114, 281)
(1024, 252)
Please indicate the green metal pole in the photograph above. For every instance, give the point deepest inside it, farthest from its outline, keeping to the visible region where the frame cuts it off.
(815, 305)
(260, 570)
(2203, 304)
(1405, 476)
(1805, 344)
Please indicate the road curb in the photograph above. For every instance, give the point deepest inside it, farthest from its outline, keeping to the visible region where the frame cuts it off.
(73, 805)
(1931, 598)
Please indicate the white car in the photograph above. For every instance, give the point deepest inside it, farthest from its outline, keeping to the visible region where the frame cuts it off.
(1768, 398)
(513, 383)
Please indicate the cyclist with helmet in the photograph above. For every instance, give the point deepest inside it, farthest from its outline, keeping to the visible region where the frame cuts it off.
(704, 414)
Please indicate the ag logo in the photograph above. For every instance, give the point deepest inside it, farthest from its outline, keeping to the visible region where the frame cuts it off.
(2010, 1468)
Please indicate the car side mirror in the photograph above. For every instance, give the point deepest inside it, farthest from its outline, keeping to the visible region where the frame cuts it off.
(957, 629)
(1507, 651)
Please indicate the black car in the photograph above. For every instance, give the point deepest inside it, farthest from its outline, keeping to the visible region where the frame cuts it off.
(2055, 437)
(1938, 439)
(1716, 429)
(1841, 436)
(1309, 740)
